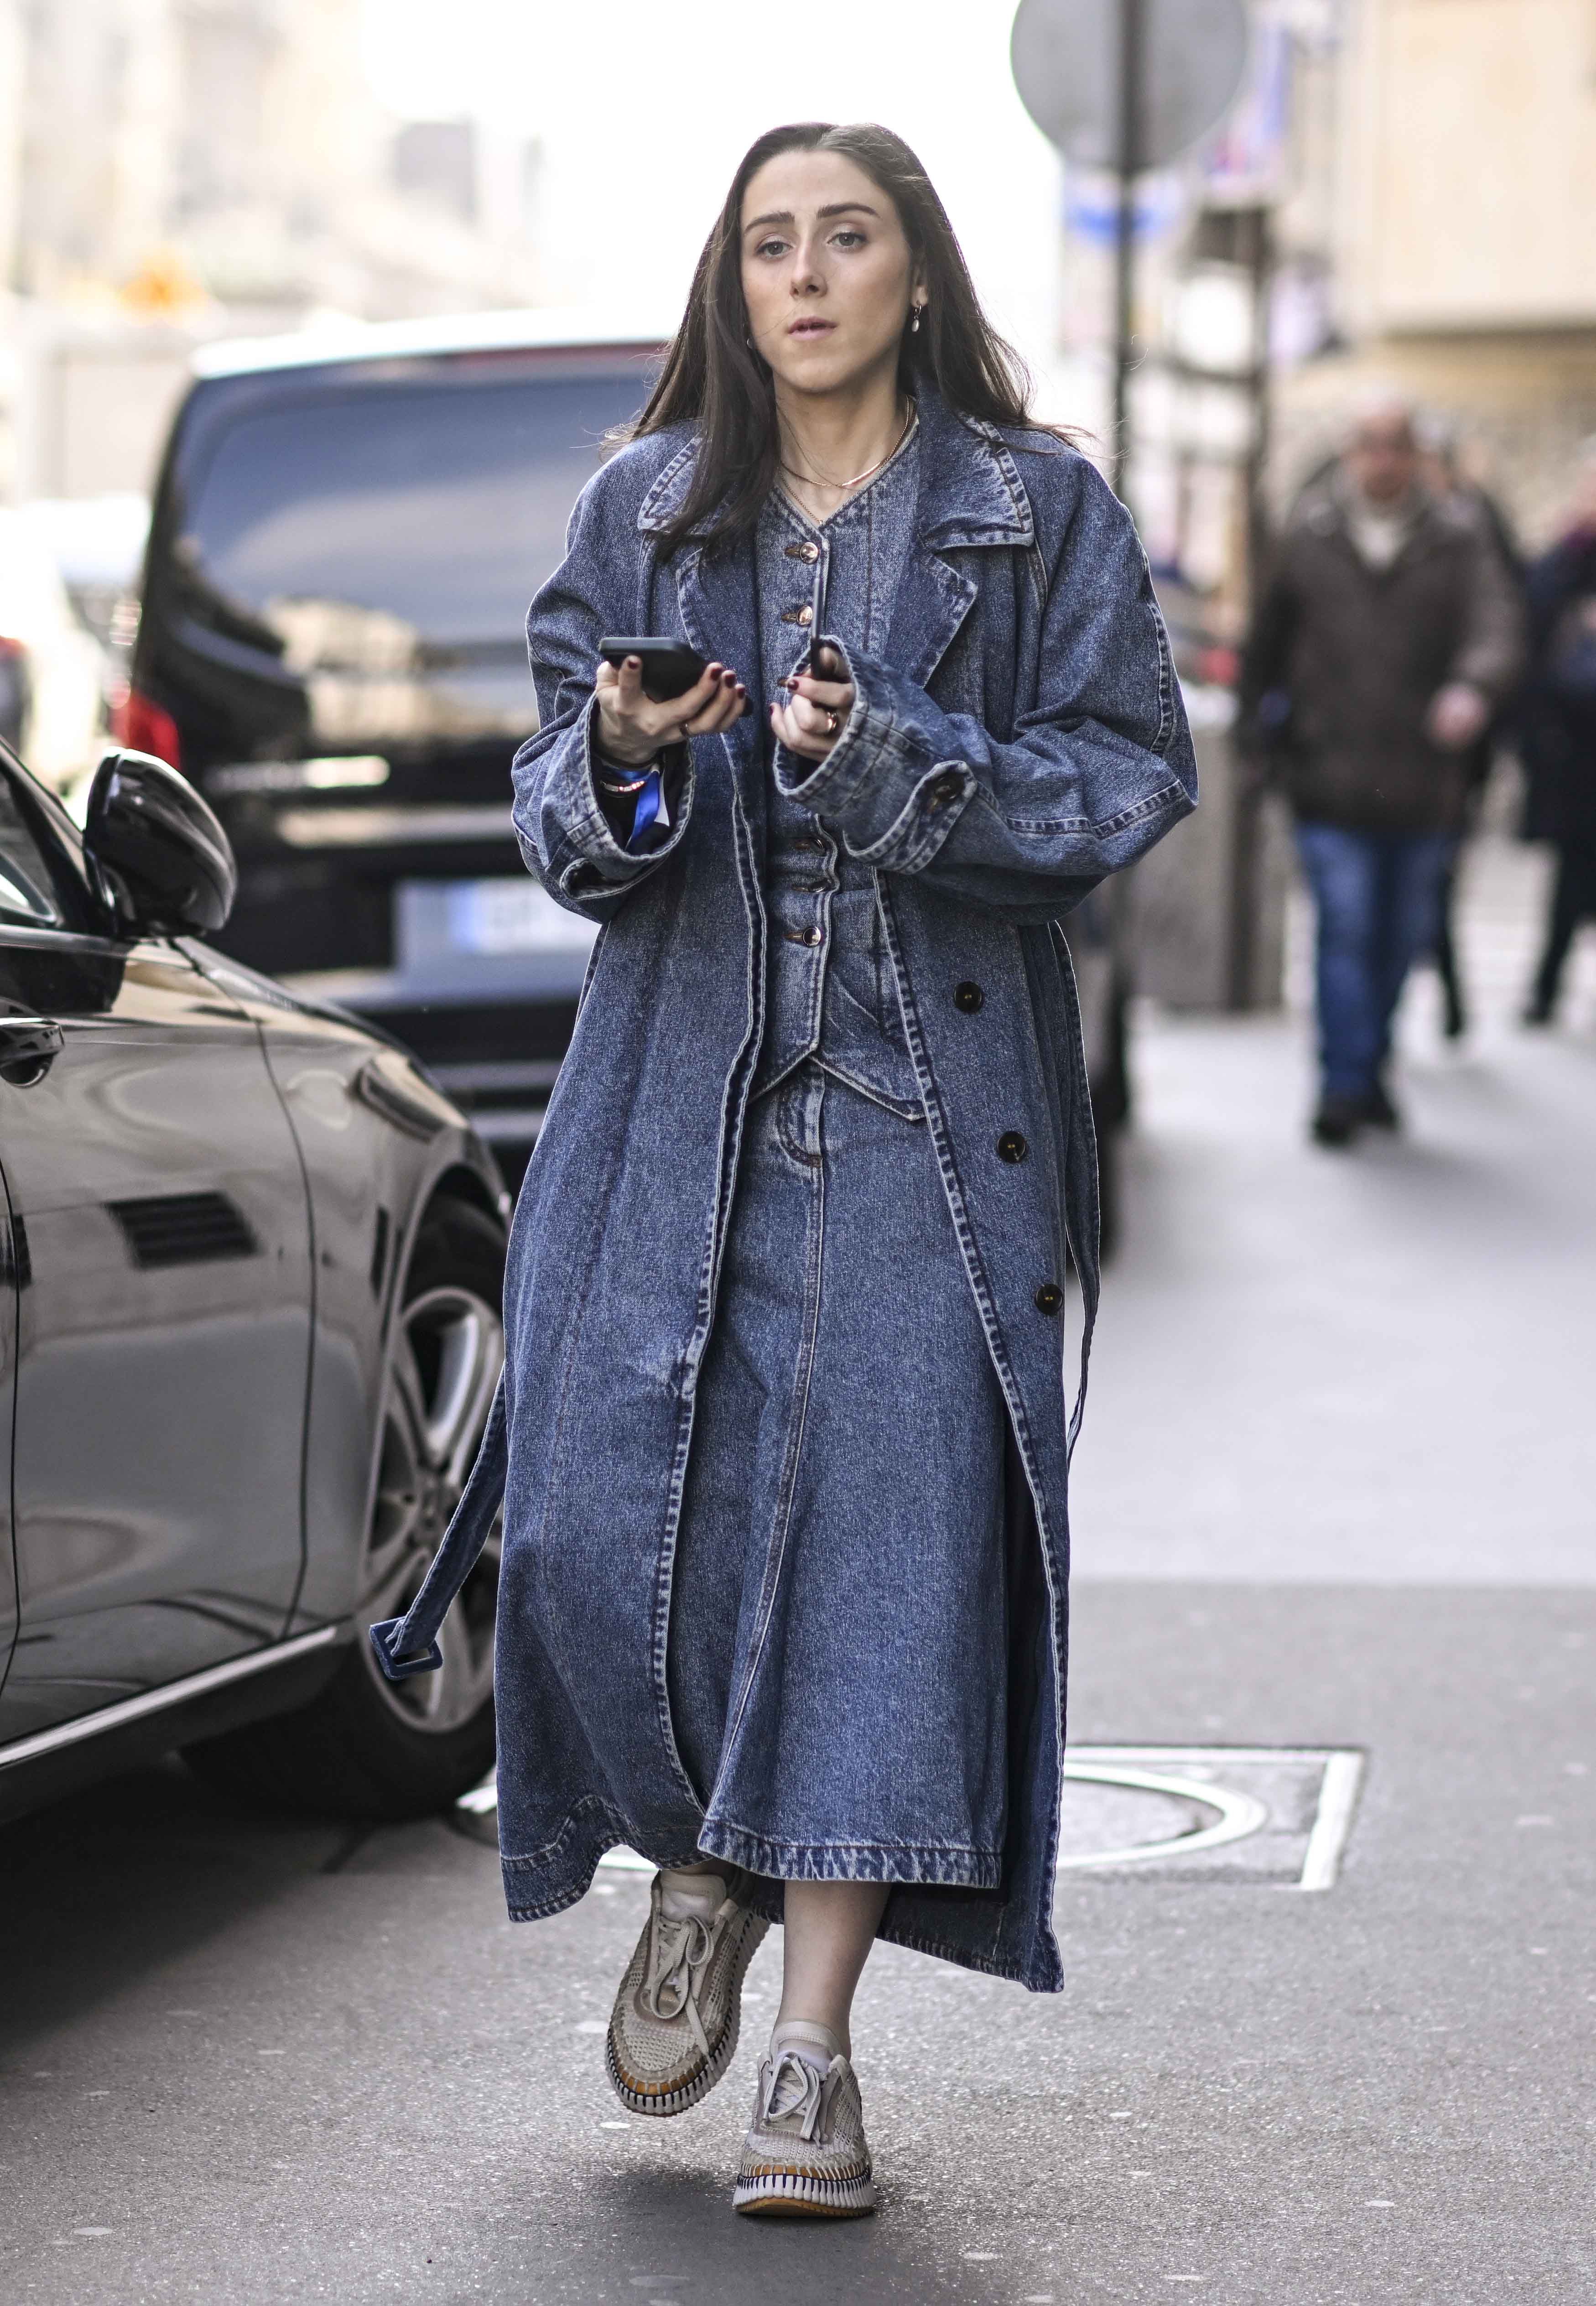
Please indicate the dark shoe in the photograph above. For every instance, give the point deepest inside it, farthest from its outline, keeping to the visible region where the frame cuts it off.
(1539, 1011)
(1456, 1023)
(1377, 1109)
(1338, 1120)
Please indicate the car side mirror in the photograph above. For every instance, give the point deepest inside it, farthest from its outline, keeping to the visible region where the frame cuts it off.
(163, 864)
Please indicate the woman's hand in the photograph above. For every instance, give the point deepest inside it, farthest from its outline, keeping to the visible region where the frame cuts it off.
(632, 728)
(817, 705)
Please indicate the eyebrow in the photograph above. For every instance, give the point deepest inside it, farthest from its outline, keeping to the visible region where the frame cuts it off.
(832, 208)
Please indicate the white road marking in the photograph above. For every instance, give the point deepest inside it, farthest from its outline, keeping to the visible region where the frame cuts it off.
(1337, 1801)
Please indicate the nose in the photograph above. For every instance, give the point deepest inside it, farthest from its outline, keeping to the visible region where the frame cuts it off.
(807, 279)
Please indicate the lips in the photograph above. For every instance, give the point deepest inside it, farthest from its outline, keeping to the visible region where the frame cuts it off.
(811, 328)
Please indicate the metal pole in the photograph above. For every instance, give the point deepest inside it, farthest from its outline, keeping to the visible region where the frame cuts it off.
(1132, 55)
(1261, 265)
(1245, 828)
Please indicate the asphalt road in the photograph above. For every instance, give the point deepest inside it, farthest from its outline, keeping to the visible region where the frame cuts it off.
(1337, 1492)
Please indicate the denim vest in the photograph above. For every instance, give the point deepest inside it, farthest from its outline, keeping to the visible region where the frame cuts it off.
(831, 992)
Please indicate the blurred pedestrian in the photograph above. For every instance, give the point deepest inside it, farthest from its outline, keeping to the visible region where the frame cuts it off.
(1383, 640)
(1557, 730)
(1445, 472)
(783, 1440)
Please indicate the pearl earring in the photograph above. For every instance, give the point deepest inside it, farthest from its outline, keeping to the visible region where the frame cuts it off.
(914, 318)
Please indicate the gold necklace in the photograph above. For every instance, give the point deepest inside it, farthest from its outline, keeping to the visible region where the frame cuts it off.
(818, 481)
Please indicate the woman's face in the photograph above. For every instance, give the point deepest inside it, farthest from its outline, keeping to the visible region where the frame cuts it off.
(827, 273)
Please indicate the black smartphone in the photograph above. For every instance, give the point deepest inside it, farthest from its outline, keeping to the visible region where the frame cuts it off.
(668, 667)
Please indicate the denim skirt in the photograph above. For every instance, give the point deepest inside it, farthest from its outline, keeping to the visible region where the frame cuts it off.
(837, 1655)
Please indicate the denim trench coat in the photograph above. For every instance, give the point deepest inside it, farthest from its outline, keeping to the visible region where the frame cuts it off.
(1021, 736)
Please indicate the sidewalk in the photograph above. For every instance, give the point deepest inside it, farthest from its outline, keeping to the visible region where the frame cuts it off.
(1366, 1366)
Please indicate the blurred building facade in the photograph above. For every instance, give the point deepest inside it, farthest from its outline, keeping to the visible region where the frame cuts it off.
(1417, 180)
(171, 169)
(1457, 189)
(1404, 195)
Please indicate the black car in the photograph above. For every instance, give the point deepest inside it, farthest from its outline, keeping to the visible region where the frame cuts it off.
(249, 1329)
(345, 536)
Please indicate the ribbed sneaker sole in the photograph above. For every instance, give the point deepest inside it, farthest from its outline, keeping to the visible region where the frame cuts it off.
(659, 2104)
(798, 2194)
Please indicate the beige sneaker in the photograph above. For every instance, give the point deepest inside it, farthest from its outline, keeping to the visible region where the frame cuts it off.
(805, 2155)
(673, 2030)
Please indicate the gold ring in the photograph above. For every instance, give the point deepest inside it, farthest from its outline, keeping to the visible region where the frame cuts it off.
(833, 721)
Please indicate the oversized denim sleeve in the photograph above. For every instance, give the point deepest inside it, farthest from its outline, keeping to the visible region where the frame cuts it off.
(564, 833)
(1098, 768)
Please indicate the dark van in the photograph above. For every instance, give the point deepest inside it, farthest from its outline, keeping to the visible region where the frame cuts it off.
(346, 532)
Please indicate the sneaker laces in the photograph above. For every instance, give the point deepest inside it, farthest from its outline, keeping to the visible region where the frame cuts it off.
(793, 2089)
(677, 1947)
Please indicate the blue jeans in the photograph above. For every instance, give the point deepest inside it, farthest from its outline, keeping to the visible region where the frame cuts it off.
(1377, 898)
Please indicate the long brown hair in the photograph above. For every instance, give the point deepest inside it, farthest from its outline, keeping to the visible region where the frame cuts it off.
(713, 377)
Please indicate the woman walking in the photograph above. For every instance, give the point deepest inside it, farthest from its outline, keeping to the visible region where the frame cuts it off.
(782, 1440)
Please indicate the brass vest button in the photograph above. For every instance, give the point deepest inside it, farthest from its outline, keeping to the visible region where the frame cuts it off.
(802, 552)
(1011, 1146)
(1049, 1298)
(968, 996)
(944, 790)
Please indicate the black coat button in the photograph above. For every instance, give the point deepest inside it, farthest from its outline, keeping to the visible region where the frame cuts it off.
(968, 996)
(1011, 1146)
(944, 789)
(1049, 1297)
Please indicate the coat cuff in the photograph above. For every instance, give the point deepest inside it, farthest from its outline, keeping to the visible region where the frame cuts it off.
(891, 800)
(591, 855)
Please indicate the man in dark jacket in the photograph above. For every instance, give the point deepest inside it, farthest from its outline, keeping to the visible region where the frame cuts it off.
(1383, 640)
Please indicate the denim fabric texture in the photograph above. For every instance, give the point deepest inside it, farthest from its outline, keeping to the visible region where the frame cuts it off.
(837, 1661)
(840, 1344)
(1016, 735)
(830, 991)
(1377, 897)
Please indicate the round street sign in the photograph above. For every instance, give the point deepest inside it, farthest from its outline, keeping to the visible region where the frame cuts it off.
(1065, 55)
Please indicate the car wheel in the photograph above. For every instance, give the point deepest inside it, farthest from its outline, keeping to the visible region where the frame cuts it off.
(366, 1746)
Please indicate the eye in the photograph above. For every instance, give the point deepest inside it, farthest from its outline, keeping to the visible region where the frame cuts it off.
(772, 247)
(849, 237)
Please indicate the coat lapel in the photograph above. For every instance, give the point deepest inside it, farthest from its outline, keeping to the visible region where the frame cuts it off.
(970, 494)
(717, 603)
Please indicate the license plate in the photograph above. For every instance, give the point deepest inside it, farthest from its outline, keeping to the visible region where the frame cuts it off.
(495, 918)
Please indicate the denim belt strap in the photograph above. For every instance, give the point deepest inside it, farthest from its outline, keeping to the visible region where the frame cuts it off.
(409, 1644)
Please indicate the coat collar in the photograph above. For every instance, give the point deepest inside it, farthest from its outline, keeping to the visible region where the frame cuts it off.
(1325, 511)
(970, 489)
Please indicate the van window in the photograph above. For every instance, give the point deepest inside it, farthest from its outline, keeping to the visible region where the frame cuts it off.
(382, 541)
